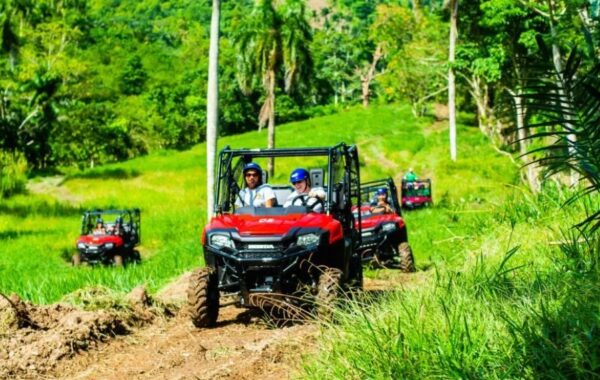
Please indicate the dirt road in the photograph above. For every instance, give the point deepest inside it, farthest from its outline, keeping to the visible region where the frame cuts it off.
(62, 342)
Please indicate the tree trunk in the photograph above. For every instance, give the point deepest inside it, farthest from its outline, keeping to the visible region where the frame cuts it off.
(451, 79)
(562, 91)
(588, 29)
(271, 128)
(480, 93)
(212, 108)
(530, 169)
(417, 10)
(367, 78)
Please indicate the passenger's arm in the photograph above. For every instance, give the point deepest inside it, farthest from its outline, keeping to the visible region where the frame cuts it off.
(270, 202)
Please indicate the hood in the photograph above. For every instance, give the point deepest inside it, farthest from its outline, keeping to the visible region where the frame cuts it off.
(100, 239)
(374, 220)
(416, 199)
(251, 225)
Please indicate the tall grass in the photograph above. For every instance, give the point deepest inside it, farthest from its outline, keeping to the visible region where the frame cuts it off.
(38, 233)
(521, 307)
(13, 173)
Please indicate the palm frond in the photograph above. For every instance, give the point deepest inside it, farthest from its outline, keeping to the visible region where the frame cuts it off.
(566, 109)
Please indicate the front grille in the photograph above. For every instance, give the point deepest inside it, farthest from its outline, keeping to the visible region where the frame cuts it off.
(261, 255)
(262, 246)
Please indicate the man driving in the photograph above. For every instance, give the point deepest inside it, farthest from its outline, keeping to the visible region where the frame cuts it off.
(304, 195)
(255, 194)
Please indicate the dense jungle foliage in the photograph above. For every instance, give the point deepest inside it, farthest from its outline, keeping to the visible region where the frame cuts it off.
(86, 82)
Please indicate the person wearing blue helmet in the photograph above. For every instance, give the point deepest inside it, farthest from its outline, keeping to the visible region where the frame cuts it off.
(381, 202)
(304, 195)
(100, 229)
(256, 193)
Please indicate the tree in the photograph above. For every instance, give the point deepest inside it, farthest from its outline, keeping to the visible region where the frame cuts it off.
(272, 39)
(212, 106)
(416, 71)
(393, 27)
(453, 4)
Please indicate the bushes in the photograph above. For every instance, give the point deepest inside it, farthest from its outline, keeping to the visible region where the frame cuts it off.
(13, 178)
(530, 311)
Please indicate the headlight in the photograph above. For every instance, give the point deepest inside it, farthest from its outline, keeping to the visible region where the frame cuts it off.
(387, 227)
(109, 245)
(81, 245)
(221, 241)
(308, 239)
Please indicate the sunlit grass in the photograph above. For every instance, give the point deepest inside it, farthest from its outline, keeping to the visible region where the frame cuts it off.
(38, 233)
(517, 305)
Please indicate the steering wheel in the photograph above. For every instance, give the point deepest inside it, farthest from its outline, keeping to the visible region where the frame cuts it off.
(304, 199)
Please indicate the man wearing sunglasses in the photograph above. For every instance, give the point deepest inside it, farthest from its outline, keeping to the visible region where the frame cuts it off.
(304, 195)
(255, 194)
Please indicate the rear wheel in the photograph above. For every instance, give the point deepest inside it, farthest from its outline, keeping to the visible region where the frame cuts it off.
(118, 259)
(76, 259)
(356, 268)
(203, 297)
(407, 261)
(328, 292)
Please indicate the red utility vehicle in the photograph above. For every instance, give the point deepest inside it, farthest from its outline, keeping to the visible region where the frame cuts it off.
(108, 237)
(281, 255)
(384, 235)
(416, 193)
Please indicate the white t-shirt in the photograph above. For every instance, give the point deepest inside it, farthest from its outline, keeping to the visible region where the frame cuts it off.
(256, 197)
(319, 193)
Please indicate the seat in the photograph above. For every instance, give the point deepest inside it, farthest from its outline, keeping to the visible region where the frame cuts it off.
(282, 192)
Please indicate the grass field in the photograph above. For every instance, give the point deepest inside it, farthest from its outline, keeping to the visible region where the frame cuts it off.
(506, 290)
(38, 232)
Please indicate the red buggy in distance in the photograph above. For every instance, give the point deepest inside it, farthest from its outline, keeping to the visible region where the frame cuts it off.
(109, 237)
(384, 234)
(272, 256)
(416, 193)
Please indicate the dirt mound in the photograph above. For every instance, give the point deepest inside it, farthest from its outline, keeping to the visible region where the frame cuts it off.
(33, 338)
(154, 338)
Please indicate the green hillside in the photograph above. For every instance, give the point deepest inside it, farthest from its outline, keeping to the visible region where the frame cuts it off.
(38, 231)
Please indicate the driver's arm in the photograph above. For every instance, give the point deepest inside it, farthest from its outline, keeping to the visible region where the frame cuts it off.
(317, 192)
(270, 197)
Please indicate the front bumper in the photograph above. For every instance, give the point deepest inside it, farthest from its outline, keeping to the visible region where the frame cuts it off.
(249, 271)
(97, 254)
(375, 240)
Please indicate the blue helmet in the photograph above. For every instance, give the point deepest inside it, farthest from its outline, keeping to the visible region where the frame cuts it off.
(253, 166)
(298, 175)
(99, 221)
(382, 191)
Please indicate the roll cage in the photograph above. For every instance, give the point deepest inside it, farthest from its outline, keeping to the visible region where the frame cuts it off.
(342, 184)
(368, 189)
(131, 220)
(416, 188)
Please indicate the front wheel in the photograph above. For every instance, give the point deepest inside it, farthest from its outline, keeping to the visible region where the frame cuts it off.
(203, 297)
(118, 259)
(407, 261)
(76, 259)
(328, 292)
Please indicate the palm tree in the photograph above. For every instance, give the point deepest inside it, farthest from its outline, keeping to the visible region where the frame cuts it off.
(10, 40)
(212, 106)
(569, 126)
(36, 128)
(272, 39)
